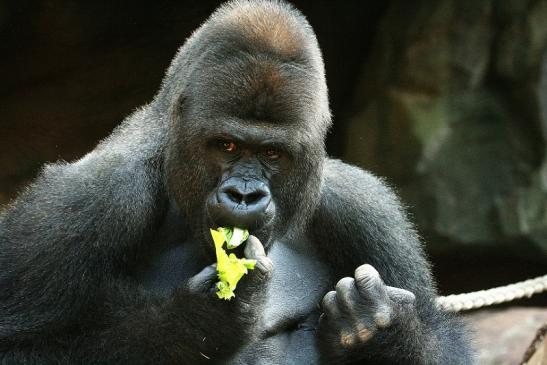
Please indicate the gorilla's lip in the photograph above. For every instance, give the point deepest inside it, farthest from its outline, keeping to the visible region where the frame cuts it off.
(237, 218)
(262, 229)
(263, 233)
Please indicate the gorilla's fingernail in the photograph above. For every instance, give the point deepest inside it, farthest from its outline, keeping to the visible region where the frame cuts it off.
(382, 319)
(363, 332)
(347, 339)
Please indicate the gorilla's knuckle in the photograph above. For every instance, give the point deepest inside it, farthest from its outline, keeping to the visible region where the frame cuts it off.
(364, 333)
(347, 338)
(265, 266)
(345, 285)
(409, 298)
(383, 317)
(329, 301)
(366, 276)
(367, 270)
(346, 294)
(402, 296)
(193, 286)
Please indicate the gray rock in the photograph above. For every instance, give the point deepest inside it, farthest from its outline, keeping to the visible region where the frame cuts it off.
(449, 108)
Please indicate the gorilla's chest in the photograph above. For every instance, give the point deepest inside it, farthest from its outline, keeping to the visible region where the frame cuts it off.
(287, 327)
(297, 287)
(292, 309)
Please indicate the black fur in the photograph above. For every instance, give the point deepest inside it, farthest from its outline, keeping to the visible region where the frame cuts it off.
(105, 260)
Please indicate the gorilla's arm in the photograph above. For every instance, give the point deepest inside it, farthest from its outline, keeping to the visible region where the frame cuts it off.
(359, 221)
(72, 229)
(65, 246)
(192, 327)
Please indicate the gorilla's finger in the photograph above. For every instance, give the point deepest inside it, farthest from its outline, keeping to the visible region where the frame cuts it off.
(253, 248)
(264, 266)
(347, 338)
(255, 281)
(373, 290)
(371, 286)
(364, 331)
(203, 280)
(346, 295)
(401, 296)
(330, 305)
(255, 251)
(251, 289)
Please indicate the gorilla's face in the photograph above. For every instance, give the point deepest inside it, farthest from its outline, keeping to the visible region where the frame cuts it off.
(248, 153)
(247, 168)
(253, 175)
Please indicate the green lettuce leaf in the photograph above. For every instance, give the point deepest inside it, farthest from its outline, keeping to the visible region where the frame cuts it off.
(230, 269)
(237, 238)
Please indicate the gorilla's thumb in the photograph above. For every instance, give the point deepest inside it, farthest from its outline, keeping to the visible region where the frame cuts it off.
(203, 280)
(256, 280)
(254, 248)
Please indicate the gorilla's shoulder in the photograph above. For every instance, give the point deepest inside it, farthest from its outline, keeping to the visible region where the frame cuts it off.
(351, 184)
(119, 177)
(353, 196)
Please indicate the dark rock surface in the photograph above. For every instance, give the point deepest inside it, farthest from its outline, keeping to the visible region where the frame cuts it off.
(451, 106)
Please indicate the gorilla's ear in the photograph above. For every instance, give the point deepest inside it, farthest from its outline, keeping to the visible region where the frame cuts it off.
(176, 111)
(180, 104)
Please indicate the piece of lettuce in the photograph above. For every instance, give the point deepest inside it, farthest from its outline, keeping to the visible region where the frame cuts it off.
(234, 237)
(230, 269)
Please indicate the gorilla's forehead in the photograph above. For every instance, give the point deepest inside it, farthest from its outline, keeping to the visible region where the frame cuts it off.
(256, 87)
(250, 129)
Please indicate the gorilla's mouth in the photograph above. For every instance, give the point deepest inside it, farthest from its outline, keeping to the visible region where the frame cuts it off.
(264, 234)
(260, 224)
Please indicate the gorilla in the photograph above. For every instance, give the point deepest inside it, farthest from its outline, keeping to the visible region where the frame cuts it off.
(109, 260)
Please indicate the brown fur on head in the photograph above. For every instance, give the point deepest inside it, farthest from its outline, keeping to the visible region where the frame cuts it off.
(266, 24)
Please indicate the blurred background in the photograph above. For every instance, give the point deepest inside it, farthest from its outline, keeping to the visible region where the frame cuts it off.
(446, 99)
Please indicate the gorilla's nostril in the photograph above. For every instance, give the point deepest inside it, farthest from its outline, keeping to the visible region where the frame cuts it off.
(253, 197)
(235, 196)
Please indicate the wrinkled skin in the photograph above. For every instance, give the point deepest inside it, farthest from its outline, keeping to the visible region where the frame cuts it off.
(108, 259)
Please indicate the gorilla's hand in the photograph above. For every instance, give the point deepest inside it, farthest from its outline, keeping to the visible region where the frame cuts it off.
(362, 310)
(238, 317)
(252, 286)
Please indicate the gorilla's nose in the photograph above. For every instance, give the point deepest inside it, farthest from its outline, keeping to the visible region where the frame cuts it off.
(251, 197)
(239, 202)
(242, 203)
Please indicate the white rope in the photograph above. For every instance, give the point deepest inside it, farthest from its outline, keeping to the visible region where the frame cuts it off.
(501, 294)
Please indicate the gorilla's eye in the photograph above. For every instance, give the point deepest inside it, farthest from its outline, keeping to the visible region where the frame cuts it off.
(227, 146)
(272, 154)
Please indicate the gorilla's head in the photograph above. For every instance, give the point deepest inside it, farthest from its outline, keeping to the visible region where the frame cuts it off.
(248, 114)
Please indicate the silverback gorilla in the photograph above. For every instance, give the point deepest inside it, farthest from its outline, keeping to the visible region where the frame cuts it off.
(109, 260)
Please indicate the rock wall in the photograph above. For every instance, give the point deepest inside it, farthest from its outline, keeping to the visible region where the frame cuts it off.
(451, 106)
